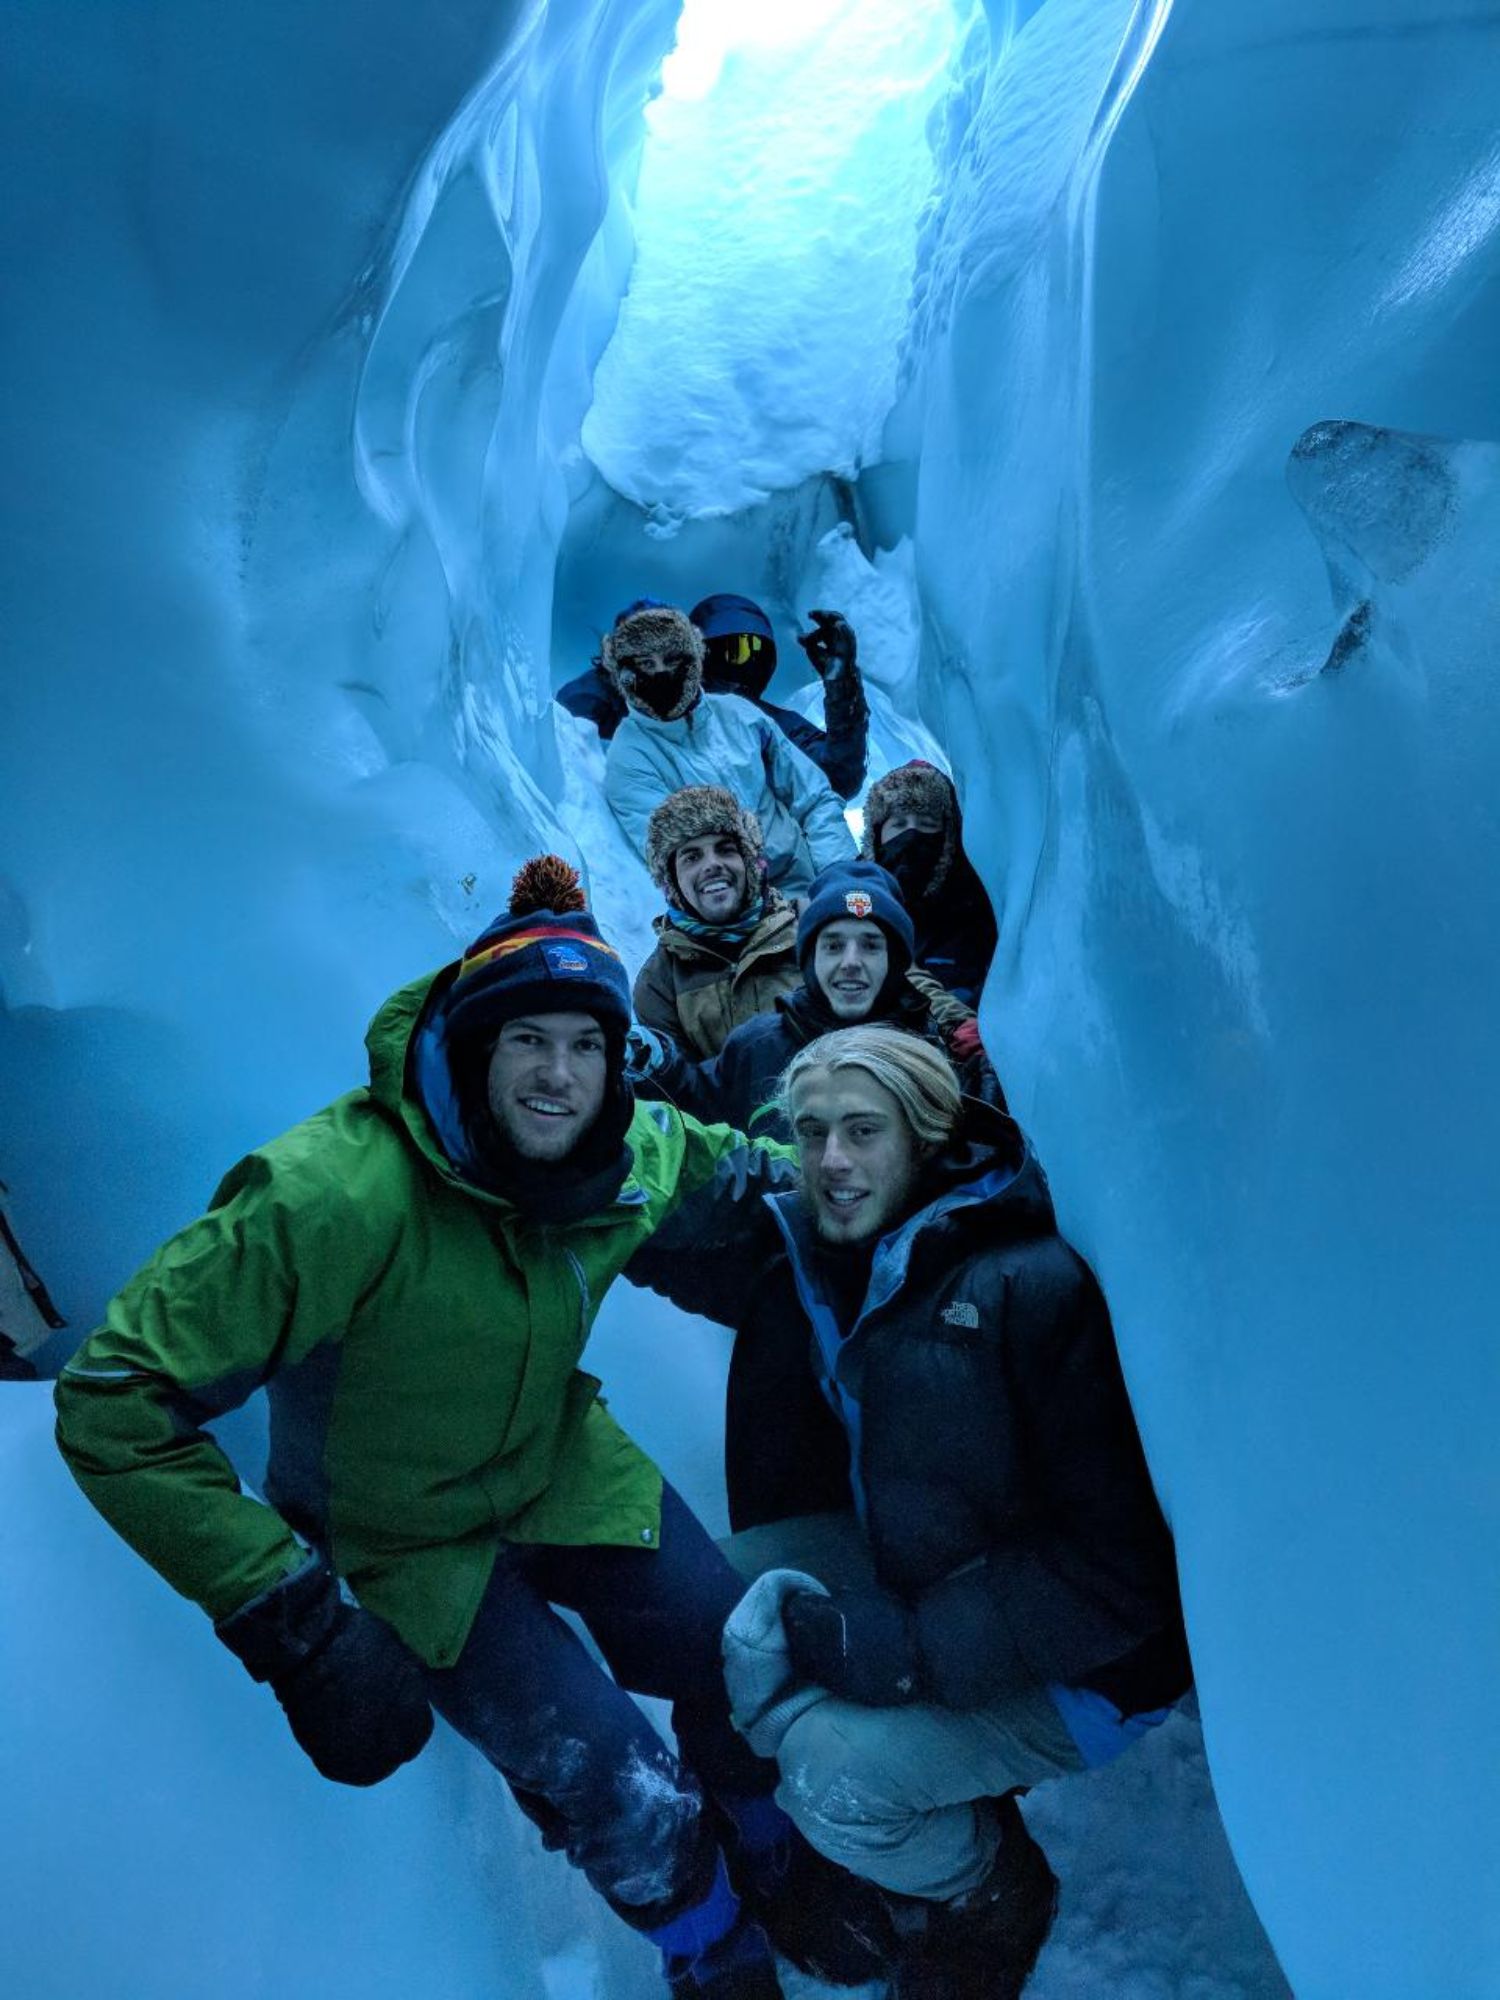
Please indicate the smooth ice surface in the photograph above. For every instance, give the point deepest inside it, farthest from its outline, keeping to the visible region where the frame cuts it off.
(736, 370)
(1223, 703)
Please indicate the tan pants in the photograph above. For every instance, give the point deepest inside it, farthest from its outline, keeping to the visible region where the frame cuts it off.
(902, 1796)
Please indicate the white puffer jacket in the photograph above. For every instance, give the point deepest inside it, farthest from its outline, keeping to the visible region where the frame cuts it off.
(725, 740)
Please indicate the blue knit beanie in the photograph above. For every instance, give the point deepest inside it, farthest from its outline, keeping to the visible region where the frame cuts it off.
(727, 613)
(856, 889)
(544, 956)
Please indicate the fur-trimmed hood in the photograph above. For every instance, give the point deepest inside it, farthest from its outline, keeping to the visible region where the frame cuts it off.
(915, 787)
(692, 813)
(654, 631)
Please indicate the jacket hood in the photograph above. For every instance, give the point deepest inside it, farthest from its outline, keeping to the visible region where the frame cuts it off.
(987, 1182)
(991, 1159)
(915, 787)
(413, 1081)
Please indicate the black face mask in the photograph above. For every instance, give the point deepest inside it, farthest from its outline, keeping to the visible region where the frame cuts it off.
(912, 857)
(660, 693)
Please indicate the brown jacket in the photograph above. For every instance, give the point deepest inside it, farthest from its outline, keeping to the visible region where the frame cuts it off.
(696, 994)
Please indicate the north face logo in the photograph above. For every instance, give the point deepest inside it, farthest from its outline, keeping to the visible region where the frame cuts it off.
(858, 904)
(962, 1313)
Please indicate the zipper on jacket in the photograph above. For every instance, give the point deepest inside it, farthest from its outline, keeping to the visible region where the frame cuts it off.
(583, 1290)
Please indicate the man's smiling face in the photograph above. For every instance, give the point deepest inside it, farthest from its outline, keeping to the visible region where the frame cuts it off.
(850, 962)
(547, 1080)
(712, 877)
(859, 1157)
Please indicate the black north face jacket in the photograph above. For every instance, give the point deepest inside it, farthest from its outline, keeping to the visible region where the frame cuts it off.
(983, 1426)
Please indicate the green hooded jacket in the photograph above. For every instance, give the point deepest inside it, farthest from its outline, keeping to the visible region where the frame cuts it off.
(419, 1338)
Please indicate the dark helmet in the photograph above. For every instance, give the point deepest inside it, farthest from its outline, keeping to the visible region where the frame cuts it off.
(740, 643)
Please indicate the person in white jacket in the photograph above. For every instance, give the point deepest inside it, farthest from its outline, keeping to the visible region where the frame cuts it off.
(676, 735)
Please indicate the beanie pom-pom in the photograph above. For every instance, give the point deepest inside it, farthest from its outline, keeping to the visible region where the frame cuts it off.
(546, 882)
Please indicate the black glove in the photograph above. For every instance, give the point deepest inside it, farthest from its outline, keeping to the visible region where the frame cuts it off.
(355, 1696)
(646, 1051)
(830, 646)
(860, 1644)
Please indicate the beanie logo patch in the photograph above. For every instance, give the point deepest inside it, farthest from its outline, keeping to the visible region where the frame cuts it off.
(565, 960)
(858, 904)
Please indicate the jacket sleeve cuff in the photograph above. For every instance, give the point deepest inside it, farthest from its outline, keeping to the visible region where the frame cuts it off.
(286, 1625)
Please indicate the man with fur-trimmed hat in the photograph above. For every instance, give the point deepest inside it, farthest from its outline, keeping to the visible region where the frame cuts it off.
(914, 828)
(676, 735)
(854, 952)
(412, 1274)
(726, 948)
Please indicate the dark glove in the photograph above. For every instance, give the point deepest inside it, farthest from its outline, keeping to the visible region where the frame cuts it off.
(355, 1696)
(860, 1644)
(830, 646)
(646, 1052)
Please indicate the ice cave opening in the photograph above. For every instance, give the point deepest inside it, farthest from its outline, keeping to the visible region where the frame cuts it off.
(1125, 369)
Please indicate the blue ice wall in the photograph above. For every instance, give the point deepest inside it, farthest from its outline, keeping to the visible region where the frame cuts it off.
(1204, 403)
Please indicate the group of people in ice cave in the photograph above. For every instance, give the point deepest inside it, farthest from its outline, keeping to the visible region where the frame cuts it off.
(948, 1578)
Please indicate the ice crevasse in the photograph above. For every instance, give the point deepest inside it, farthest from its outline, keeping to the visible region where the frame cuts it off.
(1194, 456)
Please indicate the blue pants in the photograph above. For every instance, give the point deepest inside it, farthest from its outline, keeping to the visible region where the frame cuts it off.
(583, 1761)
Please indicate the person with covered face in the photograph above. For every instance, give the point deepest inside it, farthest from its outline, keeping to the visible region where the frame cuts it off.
(854, 956)
(997, 1604)
(412, 1274)
(676, 735)
(914, 828)
(740, 658)
(726, 947)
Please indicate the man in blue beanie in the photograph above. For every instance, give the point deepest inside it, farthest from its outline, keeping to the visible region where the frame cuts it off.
(412, 1274)
(854, 948)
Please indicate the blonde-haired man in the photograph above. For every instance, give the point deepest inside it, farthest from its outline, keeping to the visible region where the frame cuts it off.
(1004, 1609)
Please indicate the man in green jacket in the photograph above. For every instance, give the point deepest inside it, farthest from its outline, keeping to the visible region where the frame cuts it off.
(413, 1274)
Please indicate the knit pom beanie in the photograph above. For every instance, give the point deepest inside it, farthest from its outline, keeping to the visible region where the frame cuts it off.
(544, 956)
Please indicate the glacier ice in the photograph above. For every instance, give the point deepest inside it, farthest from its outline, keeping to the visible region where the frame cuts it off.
(1186, 508)
(1222, 702)
(736, 371)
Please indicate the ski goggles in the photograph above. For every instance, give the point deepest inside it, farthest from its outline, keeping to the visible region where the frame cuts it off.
(738, 649)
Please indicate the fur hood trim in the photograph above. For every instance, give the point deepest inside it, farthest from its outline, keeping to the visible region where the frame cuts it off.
(691, 813)
(914, 787)
(656, 628)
